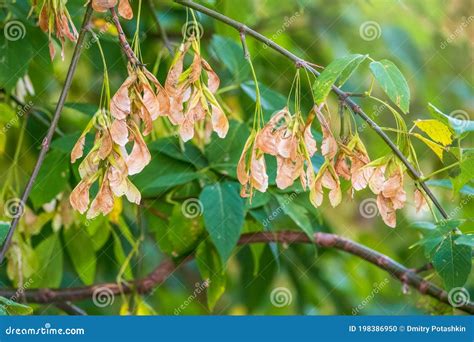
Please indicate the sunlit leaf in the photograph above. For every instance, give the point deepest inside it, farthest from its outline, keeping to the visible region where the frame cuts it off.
(465, 239)
(341, 68)
(459, 126)
(392, 82)
(212, 272)
(436, 130)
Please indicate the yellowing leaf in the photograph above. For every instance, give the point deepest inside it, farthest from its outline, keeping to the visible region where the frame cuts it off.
(116, 211)
(438, 149)
(436, 130)
(124, 309)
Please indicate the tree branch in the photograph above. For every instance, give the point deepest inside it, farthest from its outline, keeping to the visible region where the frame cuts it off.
(324, 240)
(54, 123)
(132, 58)
(345, 97)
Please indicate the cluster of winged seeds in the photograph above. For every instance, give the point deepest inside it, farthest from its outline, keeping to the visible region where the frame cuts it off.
(54, 18)
(119, 148)
(289, 139)
(188, 100)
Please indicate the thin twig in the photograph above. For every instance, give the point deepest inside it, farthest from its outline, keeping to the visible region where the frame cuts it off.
(324, 240)
(163, 34)
(341, 94)
(54, 123)
(244, 45)
(132, 58)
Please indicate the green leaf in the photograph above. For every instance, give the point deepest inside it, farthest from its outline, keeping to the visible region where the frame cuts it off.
(183, 230)
(255, 248)
(230, 53)
(350, 68)
(452, 262)
(8, 116)
(340, 68)
(16, 54)
(13, 308)
(49, 254)
(423, 225)
(446, 183)
(212, 272)
(188, 152)
(459, 126)
(270, 99)
(298, 214)
(448, 159)
(434, 234)
(81, 251)
(392, 82)
(4, 228)
(52, 178)
(162, 174)
(121, 257)
(436, 148)
(465, 239)
(223, 211)
(466, 173)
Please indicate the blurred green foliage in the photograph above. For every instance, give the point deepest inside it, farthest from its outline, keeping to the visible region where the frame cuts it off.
(429, 41)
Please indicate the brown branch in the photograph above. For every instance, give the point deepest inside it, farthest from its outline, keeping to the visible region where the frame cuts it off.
(54, 123)
(343, 96)
(324, 240)
(127, 50)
